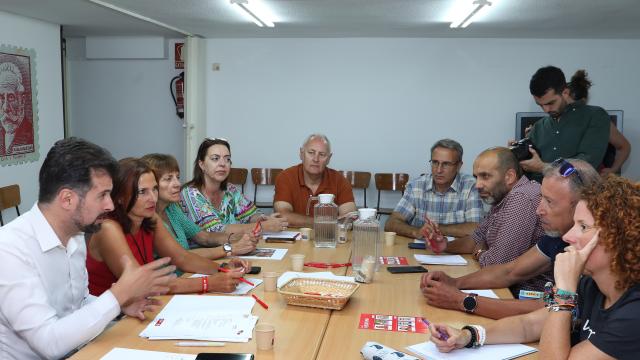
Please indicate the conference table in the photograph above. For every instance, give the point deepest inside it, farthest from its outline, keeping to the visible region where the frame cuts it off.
(311, 333)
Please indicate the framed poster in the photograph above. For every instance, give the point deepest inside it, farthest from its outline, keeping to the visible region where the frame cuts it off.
(18, 106)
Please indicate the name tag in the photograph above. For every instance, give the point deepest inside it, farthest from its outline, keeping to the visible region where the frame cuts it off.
(528, 294)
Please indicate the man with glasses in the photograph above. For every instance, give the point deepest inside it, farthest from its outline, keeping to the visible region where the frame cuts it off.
(572, 129)
(445, 196)
(296, 185)
(563, 181)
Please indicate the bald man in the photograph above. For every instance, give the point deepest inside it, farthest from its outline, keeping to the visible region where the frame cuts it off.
(512, 225)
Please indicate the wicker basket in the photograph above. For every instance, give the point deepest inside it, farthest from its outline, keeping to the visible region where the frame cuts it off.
(319, 293)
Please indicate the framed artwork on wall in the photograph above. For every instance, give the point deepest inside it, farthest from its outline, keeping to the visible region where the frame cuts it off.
(18, 106)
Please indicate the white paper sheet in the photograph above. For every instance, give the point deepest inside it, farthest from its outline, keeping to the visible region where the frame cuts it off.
(316, 275)
(428, 350)
(128, 354)
(197, 317)
(485, 293)
(242, 288)
(265, 254)
(440, 259)
(282, 235)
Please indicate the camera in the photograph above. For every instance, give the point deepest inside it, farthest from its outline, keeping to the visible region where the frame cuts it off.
(521, 149)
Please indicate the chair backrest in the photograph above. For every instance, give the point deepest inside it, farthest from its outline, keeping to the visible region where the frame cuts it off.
(358, 180)
(390, 182)
(238, 176)
(263, 176)
(9, 197)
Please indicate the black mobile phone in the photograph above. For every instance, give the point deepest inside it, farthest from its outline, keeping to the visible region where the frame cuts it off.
(406, 269)
(255, 270)
(224, 356)
(417, 245)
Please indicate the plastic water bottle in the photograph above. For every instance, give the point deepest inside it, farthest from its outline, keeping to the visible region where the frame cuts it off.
(325, 222)
(366, 239)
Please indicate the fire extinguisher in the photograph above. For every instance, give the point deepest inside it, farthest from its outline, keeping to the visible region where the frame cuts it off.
(178, 96)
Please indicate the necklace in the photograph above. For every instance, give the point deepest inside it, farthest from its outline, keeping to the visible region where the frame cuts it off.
(142, 252)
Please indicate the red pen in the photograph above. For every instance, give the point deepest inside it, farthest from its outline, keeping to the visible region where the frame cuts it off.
(225, 270)
(262, 303)
(258, 228)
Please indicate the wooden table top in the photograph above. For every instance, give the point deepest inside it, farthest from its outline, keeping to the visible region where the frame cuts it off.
(310, 333)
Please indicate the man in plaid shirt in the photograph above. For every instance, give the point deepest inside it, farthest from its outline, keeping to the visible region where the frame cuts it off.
(447, 197)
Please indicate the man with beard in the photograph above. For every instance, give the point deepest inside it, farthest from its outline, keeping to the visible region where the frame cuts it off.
(561, 187)
(573, 129)
(45, 309)
(511, 227)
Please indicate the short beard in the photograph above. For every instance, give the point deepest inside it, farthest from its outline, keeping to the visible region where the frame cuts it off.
(90, 228)
(552, 233)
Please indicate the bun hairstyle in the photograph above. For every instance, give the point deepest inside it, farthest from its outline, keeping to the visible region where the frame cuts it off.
(580, 85)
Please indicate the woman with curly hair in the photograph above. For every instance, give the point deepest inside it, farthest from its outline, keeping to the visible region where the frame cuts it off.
(594, 308)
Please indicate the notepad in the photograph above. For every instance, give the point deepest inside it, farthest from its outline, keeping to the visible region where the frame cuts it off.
(285, 236)
(440, 259)
(428, 350)
(128, 354)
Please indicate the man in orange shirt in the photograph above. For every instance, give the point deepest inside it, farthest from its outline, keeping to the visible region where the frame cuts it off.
(296, 185)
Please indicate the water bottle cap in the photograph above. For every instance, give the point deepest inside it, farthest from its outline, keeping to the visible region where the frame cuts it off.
(325, 198)
(366, 213)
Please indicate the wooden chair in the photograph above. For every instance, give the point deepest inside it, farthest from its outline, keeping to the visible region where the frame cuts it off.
(238, 176)
(389, 182)
(9, 197)
(262, 177)
(358, 180)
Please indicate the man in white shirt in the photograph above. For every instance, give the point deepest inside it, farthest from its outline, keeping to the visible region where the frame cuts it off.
(45, 307)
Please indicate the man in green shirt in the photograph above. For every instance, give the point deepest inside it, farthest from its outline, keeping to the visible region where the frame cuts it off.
(571, 130)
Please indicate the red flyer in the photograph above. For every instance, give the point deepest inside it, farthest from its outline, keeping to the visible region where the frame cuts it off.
(409, 324)
(393, 260)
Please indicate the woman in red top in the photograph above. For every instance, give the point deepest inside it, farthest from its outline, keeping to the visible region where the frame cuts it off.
(131, 231)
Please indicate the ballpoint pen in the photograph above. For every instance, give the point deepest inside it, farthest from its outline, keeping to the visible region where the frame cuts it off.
(441, 334)
(262, 303)
(225, 270)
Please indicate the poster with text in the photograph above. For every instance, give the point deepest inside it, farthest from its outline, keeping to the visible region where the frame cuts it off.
(407, 324)
(18, 106)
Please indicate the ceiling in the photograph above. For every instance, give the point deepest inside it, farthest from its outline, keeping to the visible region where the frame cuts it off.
(590, 19)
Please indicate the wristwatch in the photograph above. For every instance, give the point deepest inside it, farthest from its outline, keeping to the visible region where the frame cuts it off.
(227, 249)
(470, 303)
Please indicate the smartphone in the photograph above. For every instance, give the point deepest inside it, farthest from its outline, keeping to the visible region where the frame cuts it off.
(417, 245)
(255, 270)
(406, 269)
(224, 356)
(280, 240)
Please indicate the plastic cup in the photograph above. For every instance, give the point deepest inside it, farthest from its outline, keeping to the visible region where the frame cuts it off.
(389, 238)
(265, 336)
(306, 233)
(270, 280)
(297, 262)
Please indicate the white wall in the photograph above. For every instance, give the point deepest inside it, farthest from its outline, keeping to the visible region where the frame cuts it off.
(383, 102)
(45, 39)
(124, 105)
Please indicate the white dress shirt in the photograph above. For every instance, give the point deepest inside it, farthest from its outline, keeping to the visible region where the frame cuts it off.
(45, 310)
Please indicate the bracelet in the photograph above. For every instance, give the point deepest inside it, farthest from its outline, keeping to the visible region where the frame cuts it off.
(205, 284)
(557, 308)
(482, 335)
(474, 337)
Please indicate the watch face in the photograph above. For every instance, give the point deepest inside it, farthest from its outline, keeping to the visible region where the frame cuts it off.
(469, 303)
(226, 247)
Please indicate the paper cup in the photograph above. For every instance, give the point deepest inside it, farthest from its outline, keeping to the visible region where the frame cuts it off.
(297, 262)
(305, 233)
(265, 336)
(270, 280)
(389, 238)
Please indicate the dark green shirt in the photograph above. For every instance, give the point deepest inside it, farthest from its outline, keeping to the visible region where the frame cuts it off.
(581, 132)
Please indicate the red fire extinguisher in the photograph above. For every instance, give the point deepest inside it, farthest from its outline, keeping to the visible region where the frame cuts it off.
(178, 95)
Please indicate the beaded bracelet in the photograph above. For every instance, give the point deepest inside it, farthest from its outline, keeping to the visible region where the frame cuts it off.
(473, 343)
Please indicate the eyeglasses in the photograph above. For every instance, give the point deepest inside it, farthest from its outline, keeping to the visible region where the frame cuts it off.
(445, 164)
(566, 169)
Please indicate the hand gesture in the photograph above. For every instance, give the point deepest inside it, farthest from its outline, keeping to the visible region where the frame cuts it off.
(441, 294)
(244, 245)
(276, 222)
(138, 307)
(143, 281)
(225, 282)
(535, 164)
(569, 265)
(432, 234)
(236, 263)
(455, 338)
